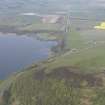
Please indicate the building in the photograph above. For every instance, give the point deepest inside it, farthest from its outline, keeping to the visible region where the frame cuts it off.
(52, 19)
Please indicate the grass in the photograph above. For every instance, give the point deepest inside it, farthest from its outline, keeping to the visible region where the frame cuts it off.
(87, 59)
(74, 40)
(1, 81)
(47, 36)
(40, 26)
(91, 60)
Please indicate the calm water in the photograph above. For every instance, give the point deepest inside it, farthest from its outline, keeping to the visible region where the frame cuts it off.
(17, 52)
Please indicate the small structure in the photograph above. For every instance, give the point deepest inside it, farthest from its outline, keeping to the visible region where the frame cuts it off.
(52, 19)
(101, 26)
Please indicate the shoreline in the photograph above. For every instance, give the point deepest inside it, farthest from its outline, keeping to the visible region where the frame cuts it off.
(14, 30)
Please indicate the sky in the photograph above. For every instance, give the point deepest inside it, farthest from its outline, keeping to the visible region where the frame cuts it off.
(26, 6)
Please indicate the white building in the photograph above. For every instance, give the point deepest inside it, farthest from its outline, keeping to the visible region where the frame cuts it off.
(52, 19)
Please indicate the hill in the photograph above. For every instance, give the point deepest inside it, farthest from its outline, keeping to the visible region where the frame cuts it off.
(76, 77)
(61, 86)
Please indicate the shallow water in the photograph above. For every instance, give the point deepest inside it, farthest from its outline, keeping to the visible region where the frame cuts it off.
(18, 52)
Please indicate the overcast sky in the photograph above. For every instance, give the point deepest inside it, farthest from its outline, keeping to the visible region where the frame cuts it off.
(32, 5)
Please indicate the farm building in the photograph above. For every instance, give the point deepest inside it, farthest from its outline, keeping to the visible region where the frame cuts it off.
(52, 19)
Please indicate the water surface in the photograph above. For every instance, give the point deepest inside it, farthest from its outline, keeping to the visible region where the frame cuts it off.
(18, 52)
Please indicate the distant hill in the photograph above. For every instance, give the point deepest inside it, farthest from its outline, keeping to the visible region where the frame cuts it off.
(10, 9)
(18, 6)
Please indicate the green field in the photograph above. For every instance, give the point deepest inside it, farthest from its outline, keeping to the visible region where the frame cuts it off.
(40, 26)
(1, 81)
(88, 57)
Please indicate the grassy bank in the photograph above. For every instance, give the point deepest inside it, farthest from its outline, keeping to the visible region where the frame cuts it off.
(1, 81)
